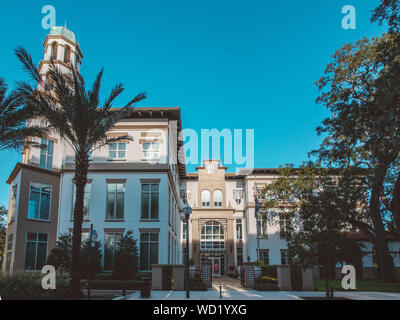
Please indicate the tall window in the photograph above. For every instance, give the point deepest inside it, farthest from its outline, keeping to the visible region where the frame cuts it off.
(9, 252)
(218, 198)
(148, 250)
(115, 201)
(205, 199)
(14, 191)
(262, 225)
(150, 195)
(39, 201)
(284, 225)
(117, 151)
(67, 55)
(183, 195)
(54, 51)
(212, 237)
(46, 154)
(169, 206)
(285, 258)
(110, 246)
(238, 195)
(86, 201)
(35, 251)
(239, 229)
(264, 256)
(151, 150)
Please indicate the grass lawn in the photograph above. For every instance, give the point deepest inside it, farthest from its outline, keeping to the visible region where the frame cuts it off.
(361, 285)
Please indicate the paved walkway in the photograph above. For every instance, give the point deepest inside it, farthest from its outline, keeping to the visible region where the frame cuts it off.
(232, 290)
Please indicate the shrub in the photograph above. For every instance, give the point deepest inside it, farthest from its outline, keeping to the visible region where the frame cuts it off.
(126, 258)
(115, 285)
(269, 271)
(197, 285)
(60, 257)
(28, 286)
(296, 276)
(259, 263)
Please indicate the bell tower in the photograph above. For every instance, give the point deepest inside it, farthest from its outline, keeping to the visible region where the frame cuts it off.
(61, 47)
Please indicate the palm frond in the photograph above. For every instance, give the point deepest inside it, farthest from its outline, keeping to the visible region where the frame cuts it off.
(27, 63)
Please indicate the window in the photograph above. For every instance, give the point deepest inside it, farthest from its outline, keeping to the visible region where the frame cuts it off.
(218, 198)
(284, 225)
(150, 195)
(86, 201)
(117, 151)
(148, 250)
(115, 201)
(285, 259)
(9, 252)
(238, 195)
(262, 225)
(67, 55)
(53, 51)
(264, 256)
(14, 191)
(46, 154)
(151, 150)
(39, 201)
(35, 251)
(169, 248)
(183, 195)
(169, 206)
(239, 256)
(212, 237)
(111, 243)
(239, 229)
(205, 199)
(184, 230)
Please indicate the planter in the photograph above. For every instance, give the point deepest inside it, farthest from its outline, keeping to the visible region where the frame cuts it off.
(257, 272)
(192, 272)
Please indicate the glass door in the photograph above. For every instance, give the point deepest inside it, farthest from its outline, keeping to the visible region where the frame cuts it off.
(216, 266)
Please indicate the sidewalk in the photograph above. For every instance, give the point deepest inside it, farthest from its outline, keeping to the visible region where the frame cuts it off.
(244, 294)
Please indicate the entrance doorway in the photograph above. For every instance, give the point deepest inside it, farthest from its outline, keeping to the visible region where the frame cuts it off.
(216, 267)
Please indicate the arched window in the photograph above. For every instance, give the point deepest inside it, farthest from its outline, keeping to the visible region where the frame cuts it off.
(54, 49)
(212, 236)
(67, 55)
(218, 198)
(205, 199)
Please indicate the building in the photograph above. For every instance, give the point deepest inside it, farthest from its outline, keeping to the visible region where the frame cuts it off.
(141, 185)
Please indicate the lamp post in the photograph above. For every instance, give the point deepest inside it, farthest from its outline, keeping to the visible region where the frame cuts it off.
(187, 210)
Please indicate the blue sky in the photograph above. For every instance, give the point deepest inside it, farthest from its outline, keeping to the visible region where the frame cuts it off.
(227, 64)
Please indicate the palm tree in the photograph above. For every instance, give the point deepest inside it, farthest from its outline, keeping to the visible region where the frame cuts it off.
(13, 116)
(79, 117)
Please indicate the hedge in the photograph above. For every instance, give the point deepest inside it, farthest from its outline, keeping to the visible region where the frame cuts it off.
(115, 284)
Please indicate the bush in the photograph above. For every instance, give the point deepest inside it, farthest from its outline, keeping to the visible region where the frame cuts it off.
(296, 276)
(28, 286)
(269, 271)
(126, 258)
(60, 257)
(167, 280)
(115, 285)
(197, 285)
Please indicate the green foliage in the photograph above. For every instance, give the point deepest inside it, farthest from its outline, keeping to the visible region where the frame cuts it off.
(191, 262)
(13, 116)
(269, 271)
(3, 214)
(167, 279)
(259, 263)
(264, 286)
(126, 258)
(60, 257)
(389, 11)
(27, 286)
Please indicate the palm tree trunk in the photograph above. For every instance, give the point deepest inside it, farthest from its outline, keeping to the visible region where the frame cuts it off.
(81, 170)
(386, 260)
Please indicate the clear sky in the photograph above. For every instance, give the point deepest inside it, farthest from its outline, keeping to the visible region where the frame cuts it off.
(228, 64)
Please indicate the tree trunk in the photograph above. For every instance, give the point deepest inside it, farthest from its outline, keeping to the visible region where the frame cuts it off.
(81, 170)
(395, 205)
(386, 260)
